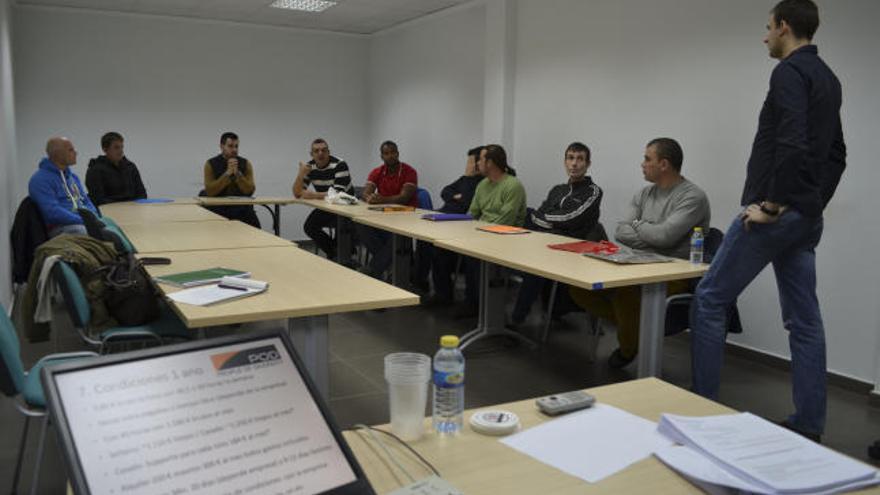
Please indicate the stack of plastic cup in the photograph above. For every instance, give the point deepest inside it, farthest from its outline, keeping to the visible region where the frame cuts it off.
(407, 374)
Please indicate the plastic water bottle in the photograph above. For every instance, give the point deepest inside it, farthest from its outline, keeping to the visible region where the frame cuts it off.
(697, 246)
(448, 378)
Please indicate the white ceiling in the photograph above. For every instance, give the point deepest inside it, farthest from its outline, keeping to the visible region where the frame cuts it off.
(349, 16)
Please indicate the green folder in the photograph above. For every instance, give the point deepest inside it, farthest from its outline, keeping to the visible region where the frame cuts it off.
(201, 277)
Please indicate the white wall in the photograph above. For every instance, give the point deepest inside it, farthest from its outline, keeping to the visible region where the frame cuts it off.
(171, 86)
(616, 73)
(426, 93)
(613, 73)
(7, 149)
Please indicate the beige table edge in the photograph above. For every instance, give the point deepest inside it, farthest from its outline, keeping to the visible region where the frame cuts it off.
(477, 464)
(469, 227)
(404, 299)
(256, 200)
(353, 211)
(459, 246)
(269, 240)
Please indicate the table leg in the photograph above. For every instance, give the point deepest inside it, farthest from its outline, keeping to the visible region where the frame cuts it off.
(652, 329)
(344, 229)
(276, 218)
(401, 260)
(490, 322)
(309, 336)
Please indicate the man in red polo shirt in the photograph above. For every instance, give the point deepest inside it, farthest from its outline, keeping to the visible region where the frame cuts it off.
(393, 182)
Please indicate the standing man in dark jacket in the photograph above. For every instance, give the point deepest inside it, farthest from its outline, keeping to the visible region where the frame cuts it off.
(571, 209)
(797, 159)
(229, 174)
(111, 177)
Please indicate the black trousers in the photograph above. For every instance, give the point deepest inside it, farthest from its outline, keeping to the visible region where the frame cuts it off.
(317, 221)
(242, 213)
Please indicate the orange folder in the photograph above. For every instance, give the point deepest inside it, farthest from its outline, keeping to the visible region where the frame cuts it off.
(504, 229)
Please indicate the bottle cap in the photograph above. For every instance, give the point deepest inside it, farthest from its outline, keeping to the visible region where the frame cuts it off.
(698, 229)
(494, 422)
(449, 341)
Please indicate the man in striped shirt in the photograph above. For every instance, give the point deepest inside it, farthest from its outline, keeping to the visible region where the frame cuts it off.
(323, 171)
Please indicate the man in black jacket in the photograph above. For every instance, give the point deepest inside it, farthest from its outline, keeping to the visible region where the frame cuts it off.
(111, 177)
(571, 209)
(797, 159)
(457, 198)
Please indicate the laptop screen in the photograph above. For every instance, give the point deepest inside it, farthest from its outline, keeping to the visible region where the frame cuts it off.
(225, 416)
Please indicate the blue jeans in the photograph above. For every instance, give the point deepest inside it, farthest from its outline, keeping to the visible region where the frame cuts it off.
(789, 244)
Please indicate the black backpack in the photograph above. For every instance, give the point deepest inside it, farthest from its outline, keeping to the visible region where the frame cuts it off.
(128, 295)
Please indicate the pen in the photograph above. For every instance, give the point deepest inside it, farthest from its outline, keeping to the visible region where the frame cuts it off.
(231, 287)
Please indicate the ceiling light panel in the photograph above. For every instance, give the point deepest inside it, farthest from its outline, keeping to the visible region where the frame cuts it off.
(304, 5)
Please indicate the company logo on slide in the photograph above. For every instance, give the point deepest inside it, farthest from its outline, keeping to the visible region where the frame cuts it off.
(246, 357)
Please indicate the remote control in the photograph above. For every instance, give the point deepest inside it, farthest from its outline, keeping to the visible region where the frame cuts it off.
(553, 405)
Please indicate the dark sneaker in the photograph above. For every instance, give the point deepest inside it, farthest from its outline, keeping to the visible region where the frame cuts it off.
(617, 360)
(810, 436)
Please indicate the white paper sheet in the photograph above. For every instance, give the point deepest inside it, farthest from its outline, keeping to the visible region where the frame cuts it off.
(229, 288)
(590, 444)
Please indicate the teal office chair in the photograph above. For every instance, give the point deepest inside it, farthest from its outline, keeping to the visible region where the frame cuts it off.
(105, 229)
(166, 327)
(25, 388)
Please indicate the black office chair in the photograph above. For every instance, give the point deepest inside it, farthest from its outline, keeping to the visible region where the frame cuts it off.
(678, 306)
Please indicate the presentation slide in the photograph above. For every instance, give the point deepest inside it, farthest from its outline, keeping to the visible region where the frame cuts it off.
(230, 420)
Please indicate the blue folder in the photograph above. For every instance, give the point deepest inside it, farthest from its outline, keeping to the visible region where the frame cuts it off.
(446, 217)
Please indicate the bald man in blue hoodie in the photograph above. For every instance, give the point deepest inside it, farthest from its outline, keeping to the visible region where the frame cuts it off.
(57, 191)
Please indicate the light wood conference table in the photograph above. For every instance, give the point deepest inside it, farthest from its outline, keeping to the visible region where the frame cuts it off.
(529, 253)
(478, 464)
(136, 213)
(344, 216)
(303, 289)
(264, 201)
(199, 236)
(412, 225)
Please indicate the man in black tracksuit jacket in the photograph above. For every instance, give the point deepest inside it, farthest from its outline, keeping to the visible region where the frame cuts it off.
(571, 209)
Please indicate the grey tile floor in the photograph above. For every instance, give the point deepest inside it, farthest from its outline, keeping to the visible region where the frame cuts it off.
(495, 373)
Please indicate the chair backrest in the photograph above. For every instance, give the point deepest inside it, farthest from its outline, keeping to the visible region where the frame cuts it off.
(11, 367)
(90, 220)
(73, 294)
(423, 199)
(105, 229)
(28, 232)
(712, 243)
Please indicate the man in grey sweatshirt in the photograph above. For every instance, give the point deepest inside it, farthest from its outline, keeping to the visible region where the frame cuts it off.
(661, 218)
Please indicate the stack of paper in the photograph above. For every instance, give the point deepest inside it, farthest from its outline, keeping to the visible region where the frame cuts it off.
(748, 453)
(229, 288)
